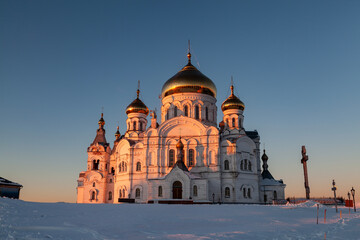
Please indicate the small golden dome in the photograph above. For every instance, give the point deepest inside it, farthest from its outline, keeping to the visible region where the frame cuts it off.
(264, 157)
(189, 79)
(179, 144)
(232, 102)
(101, 121)
(117, 134)
(137, 106)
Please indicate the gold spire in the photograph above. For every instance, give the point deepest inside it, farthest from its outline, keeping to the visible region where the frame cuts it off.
(189, 54)
(138, 90)
(232, 86)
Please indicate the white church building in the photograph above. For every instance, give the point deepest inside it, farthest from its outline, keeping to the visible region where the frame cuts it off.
(184, 156)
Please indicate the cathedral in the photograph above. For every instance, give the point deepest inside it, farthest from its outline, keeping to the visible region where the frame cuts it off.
(182, 156)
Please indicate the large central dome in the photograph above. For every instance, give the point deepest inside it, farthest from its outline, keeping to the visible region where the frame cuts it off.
(189, 80)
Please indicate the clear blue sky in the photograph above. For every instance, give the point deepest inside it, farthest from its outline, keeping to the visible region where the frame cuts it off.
(295, 66)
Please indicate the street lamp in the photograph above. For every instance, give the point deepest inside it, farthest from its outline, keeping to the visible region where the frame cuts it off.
(353, 194)
(334, 189)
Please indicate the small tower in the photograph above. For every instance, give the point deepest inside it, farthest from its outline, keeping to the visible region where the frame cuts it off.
(117, 134)
(180, 156)
(92, 183)
(137, 112)
(233, 109)
(265, 173)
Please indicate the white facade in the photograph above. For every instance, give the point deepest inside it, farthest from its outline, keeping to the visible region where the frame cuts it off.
(185, 156)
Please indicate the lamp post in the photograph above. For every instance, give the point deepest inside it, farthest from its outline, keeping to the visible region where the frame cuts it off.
(334, 189)
(353, 194)
(349, 201)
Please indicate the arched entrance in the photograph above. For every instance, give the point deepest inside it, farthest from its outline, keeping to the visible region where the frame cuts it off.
(177, 190)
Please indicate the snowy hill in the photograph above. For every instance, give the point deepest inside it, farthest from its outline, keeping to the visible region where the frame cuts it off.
(29, 220)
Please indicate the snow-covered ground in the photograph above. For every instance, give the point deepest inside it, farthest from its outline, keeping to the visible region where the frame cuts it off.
(29, 220)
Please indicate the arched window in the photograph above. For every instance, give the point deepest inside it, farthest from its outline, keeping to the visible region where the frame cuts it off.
(110, 181)
(125, 169)
(275, 195)
(249, 166)
(227, 192)
(128, 126)
(226, 165)
(138, 166)
(93, 195)
(167, 114)
(175, 111)
(244, 192)
(197, 113)
(121, 167)
(233, 122)
(191, 157)
(96, 164)
(120, 195)
(195, 192)
(171, 157)
(186, 111)
(242, 165)
(140, 126)
(106, 166)
(160, 191)
(249, 193)
(123, 193)
(113, 170)
(206, 113)
(246, 164)
(93, 184)
(110, 195)
(134, 126)
(137, 193)
(240, 123)
(227, 122)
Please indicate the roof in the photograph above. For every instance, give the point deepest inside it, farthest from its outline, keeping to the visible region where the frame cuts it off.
(252, 134)
(100, 137)
(4, 181)
(181, 165)
(266, 174)
(271, 182)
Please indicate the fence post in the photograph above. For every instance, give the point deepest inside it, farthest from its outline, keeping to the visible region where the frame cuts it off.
(317, 214)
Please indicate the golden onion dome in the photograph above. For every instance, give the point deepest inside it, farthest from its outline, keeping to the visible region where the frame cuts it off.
(137, 106)
(264, 157)
(101, 121)
(179, 144)
(189, 79)
(117, 133)
(232, 102)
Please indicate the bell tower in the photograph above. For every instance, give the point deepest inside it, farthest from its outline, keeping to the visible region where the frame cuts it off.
(92, 183)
